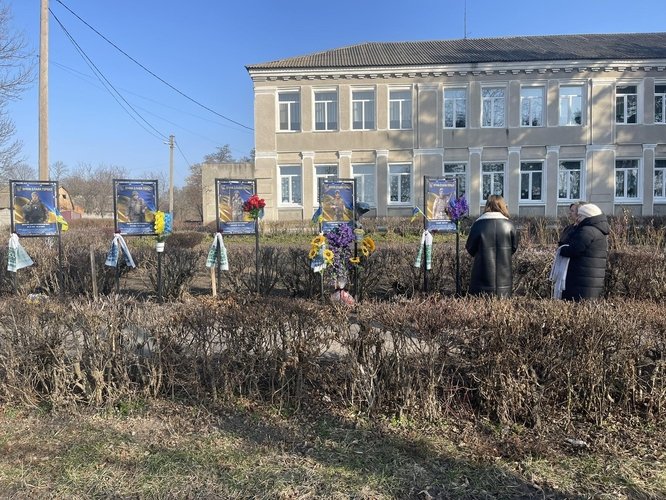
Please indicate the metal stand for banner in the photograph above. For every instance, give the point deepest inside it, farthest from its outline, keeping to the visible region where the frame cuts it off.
(159, 276)
(215, 273)
(61, 273)
(256, 251)
(458, 259)
(426, 272)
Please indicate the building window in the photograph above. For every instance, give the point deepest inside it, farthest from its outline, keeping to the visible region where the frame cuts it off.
(326, 110)
(363, 109)
(290, 185)
(455, 108)
(626, 104)
(366, 182)
(289, 111)
(660, 179)
(531, 181)
(323, 172)
(457, 171)
(660, 103)
(400, 109)
(400, 183)
(531, 106)
(492, 113)
(626, 180)
(570, 180)
(492, 180)
(571, 105)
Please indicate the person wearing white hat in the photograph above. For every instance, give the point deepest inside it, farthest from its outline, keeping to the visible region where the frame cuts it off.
(586, 246)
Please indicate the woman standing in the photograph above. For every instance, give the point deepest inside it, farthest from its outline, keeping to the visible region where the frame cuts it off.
(492, 241)
(587, 248)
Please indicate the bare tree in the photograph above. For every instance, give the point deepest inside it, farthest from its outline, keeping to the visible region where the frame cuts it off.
(92, 187)
(16, 73)
(17, 170)
(58, 170)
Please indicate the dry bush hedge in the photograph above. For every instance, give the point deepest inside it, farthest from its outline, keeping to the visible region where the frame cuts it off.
(516, 361)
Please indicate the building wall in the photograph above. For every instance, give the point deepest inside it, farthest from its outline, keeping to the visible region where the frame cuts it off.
(598, 142)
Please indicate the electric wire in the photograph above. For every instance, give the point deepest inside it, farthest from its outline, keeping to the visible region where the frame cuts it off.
(108, 85)
(152, 73)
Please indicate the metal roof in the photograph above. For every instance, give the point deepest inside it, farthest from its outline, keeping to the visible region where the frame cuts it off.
(616, 46)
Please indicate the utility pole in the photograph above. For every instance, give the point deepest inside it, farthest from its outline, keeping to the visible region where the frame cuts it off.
(44, 92)
(171, 138)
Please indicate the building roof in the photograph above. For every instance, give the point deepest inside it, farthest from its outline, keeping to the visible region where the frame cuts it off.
(616, 46)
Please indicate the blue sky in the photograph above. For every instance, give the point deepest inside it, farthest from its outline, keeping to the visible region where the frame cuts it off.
(201, 48)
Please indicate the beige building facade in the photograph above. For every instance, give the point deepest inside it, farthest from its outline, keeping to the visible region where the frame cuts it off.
(543, 121)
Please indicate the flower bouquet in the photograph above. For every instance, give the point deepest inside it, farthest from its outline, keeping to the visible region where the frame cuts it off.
(254, 206)
(163, 227)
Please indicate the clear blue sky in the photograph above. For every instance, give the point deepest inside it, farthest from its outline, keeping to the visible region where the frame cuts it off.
(201, 48)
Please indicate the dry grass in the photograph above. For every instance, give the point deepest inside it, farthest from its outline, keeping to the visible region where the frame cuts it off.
(170, 450)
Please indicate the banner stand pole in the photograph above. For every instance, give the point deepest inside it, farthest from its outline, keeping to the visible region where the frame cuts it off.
(61, 272)
(218, 260)
(256, 251)
(159, 276)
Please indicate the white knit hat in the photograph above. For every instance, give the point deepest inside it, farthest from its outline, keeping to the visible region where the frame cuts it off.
(588, 210)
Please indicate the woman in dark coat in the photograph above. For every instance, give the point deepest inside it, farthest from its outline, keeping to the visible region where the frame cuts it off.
(492, 241)
(587, 249)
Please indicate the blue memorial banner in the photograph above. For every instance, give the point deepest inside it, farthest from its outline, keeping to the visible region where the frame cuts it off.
(439, 193)
(337, 202)
(230, 198)
(34, 205)
(135, 204)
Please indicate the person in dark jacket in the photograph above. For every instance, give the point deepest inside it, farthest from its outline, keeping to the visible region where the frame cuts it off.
(587, 249)
(492, 241)
(573, 219)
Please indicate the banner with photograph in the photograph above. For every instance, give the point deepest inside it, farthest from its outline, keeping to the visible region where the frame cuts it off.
(34, 208)
(230, 198)
(337, 202)
(135, 203)
(439, 194)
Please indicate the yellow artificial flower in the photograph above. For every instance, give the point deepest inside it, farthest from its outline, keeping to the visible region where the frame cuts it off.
(313, 252)
(159, 222)
(328, 255)
(365, 251)
(369, 243)
(318, 240)
(355, 260)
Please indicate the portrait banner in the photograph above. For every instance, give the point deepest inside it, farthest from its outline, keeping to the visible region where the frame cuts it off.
(230, 199)
(337, 202)
(135, 204)
(439, 194)
(34, 208)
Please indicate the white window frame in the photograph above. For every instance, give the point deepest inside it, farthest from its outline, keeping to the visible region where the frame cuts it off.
(660, 102)
(533, 102)
(457, 175)
(367, 107)
(317, 176)
(361, 180)
(399, 176)
(581, 180)
(492, 175)
(401, 103)
(493, 100)
(623, 100)
(530, 184)
(291, 108)
(567, 106)
(291, 178)
(329, 106)
(658, 162)
(456, 102)
(625, 170)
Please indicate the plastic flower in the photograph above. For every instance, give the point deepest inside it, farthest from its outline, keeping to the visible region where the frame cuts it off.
(355, 260)
(458, 208)
(318, 240)
(254, 206)
(365, 251)
(369, 243)
(313, 252)
(329, 255)
(162, 225)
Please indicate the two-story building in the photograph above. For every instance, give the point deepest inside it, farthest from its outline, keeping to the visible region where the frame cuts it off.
(541, 120)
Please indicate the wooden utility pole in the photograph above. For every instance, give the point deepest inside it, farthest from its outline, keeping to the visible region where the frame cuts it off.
(44, 92)
(171, 138)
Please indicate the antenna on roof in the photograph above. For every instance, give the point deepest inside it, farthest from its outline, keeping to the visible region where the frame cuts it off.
(465, 21)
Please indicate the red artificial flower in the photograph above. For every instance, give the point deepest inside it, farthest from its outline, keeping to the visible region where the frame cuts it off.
(254, 205)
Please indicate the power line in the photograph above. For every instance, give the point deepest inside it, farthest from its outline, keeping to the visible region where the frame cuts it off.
(108, 85)
(150, 72)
